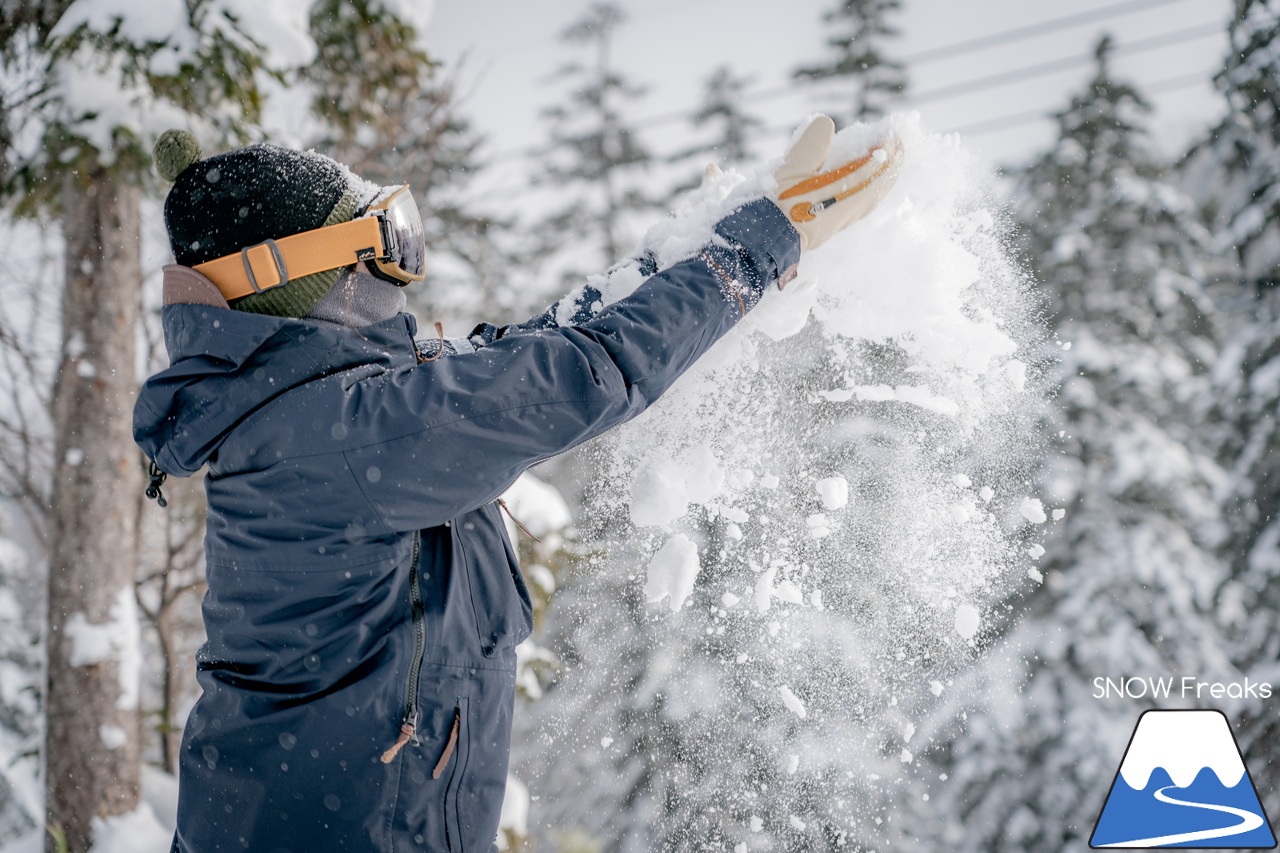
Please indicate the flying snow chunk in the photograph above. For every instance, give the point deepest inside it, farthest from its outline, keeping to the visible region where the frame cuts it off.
(763, 592)
(793, 764)
(967, 621)
(818, 525)
(935, 687)
(756, 823)
(1059, 514)
(792, 701)
(672, 572)
(1032, 510)
(788, 592)
(834, 492)
(659, 494)
(962, 481)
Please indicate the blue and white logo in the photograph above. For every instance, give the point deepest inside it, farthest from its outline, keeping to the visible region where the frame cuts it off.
(1183, 783)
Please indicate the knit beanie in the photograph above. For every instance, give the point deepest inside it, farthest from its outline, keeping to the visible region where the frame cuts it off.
(221, 204)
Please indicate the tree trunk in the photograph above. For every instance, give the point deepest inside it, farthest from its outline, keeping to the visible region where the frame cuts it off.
(92, 746)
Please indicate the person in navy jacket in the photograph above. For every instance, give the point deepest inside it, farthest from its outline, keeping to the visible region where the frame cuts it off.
(364, 602)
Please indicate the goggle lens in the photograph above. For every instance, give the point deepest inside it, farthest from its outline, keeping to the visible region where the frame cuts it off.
(409, 235)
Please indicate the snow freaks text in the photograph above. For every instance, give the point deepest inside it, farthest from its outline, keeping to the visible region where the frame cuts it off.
(1184, 687)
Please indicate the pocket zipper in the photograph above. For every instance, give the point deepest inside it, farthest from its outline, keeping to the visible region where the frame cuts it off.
(409, 723)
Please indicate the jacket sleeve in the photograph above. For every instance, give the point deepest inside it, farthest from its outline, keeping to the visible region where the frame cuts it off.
(446, 436)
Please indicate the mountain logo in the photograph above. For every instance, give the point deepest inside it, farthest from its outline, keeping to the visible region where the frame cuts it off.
(1183, 783)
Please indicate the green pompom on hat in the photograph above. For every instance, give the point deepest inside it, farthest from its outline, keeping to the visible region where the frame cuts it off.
(174, 151)
(221, 204)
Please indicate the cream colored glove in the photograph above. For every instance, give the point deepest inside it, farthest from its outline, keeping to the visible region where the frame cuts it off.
(821, 203)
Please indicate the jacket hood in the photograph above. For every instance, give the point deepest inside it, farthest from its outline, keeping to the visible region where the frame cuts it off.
(225, 364)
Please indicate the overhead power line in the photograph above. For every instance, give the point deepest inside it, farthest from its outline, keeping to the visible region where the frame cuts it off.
(1160, 87)
(1031, 31)
(1017, 75)
(976, 85)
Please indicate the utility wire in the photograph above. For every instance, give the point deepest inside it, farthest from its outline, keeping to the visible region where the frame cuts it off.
(966, 87)
(1022, 33)
(1160, 87)
(1040, 70)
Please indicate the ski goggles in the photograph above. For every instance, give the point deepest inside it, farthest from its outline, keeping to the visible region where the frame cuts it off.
(389, 239)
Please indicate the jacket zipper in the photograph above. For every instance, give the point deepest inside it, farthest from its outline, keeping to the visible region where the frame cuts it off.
(409, 723)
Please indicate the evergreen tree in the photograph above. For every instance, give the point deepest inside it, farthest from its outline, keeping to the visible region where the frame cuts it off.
(393, 117)
(1236, 170)
(1131, 575)
(88, 167)
(593, 152)
(722, 106)
(860, 29)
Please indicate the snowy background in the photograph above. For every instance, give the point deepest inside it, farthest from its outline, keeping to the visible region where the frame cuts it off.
(847, 587)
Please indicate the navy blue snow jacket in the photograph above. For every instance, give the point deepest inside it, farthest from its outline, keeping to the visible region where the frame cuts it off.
(360, 580)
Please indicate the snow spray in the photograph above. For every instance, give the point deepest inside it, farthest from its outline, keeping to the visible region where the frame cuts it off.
(812, 528)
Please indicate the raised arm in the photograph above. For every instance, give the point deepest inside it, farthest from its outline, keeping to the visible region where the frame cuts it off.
(454, 433)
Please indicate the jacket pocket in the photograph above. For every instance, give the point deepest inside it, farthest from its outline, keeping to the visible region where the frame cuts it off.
(499, 599)
(453, 760)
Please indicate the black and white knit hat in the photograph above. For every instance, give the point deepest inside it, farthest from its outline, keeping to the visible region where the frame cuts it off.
(220, 204)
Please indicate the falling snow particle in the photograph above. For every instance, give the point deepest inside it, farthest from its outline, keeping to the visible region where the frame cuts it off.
(1032, 510)
(792, 701)
(673, 571)
(967, 621)
(834, 492)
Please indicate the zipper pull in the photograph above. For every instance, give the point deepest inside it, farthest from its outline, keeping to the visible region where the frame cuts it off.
(448, 747)
(408, 729)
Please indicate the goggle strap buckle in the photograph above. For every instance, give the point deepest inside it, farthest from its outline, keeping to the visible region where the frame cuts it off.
(281, 270)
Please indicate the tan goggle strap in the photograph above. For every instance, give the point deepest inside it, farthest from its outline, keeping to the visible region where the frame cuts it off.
(270, 264)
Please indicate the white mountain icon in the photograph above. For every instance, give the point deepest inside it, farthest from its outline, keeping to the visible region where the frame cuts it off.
(1202, 739)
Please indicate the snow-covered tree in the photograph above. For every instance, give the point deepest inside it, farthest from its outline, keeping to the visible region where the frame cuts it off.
(1236, 173)
(1131, 576)
(391, 113)
(594, 155)
(722, 109)
(868, 80)
(103, 80)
